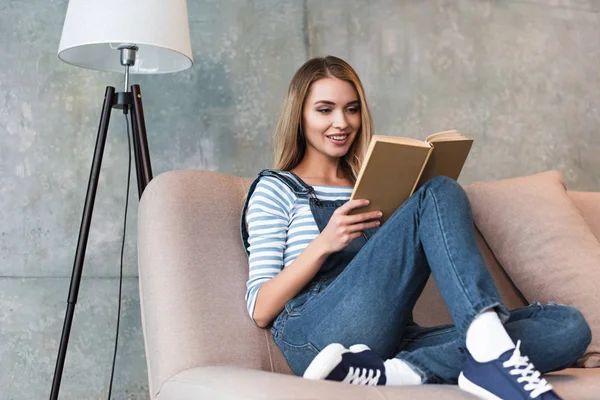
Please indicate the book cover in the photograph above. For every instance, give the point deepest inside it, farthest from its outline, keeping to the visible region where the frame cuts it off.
(394, 168)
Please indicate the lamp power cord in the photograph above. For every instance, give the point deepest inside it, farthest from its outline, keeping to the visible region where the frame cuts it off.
(122, 253)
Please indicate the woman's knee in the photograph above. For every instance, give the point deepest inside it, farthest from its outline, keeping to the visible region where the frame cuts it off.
(444, 185)
(577, 329)
(439, 181)
(554, 336)
(443, 188)
(575, 333)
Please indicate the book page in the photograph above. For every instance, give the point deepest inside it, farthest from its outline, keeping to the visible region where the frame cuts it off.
(402, 140)
(389, 175)
(443, 135)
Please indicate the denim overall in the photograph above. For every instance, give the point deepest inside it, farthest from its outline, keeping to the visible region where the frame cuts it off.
(366, 292)
(321, 211)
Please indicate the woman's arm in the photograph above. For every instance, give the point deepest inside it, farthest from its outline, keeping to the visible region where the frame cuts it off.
(339, 232)
(276, 292)
(268, 218)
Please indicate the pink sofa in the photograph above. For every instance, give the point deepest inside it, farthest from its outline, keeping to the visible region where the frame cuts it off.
(199, 340)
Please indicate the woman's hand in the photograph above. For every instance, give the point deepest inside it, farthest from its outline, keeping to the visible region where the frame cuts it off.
(343, 228)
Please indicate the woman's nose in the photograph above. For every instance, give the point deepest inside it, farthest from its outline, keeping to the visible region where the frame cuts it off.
(340, 121)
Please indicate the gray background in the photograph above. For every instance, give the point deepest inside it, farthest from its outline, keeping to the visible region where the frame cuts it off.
(520, 77)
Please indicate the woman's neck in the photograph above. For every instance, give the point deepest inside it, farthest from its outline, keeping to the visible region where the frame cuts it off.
(322, 173)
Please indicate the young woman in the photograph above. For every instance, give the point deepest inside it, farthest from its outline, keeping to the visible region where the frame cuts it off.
(339, 290)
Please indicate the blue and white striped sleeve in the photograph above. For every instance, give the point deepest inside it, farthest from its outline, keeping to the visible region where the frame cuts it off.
(267, 217)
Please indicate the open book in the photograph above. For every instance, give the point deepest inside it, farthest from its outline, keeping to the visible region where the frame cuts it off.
(395, 167)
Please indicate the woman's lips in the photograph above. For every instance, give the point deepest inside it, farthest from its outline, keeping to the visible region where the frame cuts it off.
(338, 142)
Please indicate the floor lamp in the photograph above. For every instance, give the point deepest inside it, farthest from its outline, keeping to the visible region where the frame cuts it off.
(133, 36)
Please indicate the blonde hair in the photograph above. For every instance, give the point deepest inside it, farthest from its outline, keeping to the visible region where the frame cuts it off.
(289, 140)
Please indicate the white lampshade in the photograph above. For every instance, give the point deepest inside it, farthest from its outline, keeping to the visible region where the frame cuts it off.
(94, 29)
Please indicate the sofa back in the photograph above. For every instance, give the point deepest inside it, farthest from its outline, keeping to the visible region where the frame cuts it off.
(193, 271)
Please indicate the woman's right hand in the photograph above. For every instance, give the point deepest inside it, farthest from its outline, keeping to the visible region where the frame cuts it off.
(343, 228)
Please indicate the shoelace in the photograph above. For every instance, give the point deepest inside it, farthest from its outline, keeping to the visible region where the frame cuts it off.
(521, 366)
(362, 376)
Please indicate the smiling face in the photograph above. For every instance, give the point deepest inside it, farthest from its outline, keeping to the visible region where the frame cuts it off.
(331, 117)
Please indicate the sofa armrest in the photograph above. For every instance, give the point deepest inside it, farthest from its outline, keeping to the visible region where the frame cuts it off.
(192, 273)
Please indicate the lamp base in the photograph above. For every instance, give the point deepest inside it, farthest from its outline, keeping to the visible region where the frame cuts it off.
(127, 101)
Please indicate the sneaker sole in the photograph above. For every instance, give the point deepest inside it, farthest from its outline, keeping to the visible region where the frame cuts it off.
(474, 389)
(322, 365)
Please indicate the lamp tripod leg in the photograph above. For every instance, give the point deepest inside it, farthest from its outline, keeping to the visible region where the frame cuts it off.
(140, 141)
(83, 238)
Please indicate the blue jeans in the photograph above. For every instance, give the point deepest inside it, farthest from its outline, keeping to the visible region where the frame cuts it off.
(370, 300)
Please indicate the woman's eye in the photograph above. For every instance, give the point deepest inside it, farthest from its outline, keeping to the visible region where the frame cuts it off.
(353, 110)
(323, 110)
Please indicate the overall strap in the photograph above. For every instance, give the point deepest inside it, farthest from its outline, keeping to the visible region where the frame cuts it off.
(291, 180)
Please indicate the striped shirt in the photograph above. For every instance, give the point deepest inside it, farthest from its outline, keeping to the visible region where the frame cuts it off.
(280, 226)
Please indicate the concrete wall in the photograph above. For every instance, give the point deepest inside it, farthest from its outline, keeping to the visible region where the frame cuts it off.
(520, 77)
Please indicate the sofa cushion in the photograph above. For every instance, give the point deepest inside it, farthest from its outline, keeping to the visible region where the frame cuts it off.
(543, 243)
(588, 204)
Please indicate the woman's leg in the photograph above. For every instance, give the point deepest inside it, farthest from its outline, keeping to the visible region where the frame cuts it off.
(370, 302)
(552, 336)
